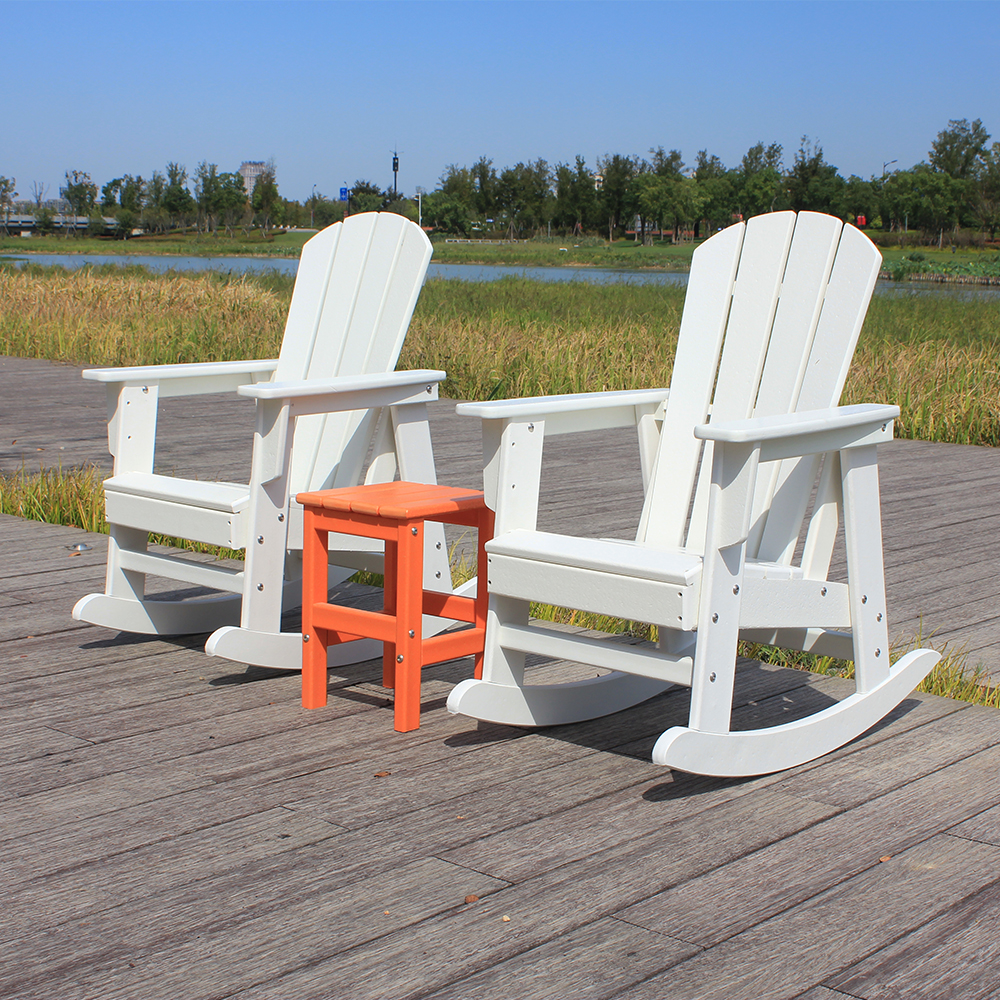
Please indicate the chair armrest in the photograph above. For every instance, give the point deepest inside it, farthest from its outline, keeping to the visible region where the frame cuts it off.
(186, 380)
(349, 392)
(808, 432)
(571, 412)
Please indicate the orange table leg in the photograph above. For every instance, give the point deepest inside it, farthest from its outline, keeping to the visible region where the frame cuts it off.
(409, 625)
(314, 591)
(389, 587)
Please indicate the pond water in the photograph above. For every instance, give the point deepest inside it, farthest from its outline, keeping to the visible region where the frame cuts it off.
(462, 272)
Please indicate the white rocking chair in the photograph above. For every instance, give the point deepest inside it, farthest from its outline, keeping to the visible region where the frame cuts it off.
(771, 319)
(334, 392)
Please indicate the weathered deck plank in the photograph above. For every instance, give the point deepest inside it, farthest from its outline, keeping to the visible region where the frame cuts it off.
(174, 825)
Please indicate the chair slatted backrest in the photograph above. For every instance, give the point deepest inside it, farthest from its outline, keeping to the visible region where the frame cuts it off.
(355, 291)
(771, 320)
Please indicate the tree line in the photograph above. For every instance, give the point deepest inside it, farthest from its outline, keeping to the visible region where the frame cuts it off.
(957, 187)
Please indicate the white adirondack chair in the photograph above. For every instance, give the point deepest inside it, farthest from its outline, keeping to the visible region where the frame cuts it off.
(771, 319)
(333, 390)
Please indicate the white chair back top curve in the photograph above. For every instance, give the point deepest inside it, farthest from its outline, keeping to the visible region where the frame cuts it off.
(771, 319)
(357, 284)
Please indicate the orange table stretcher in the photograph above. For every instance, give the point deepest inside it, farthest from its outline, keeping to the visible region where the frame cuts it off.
(394, 512)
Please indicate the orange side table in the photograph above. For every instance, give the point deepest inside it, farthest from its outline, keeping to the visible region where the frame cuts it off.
(394, 512)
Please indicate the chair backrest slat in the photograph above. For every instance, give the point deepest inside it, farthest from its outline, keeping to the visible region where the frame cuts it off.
(848, 292)
(356, 288)
(703, 325)
(779, 339)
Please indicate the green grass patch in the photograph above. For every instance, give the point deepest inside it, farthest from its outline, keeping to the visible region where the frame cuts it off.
(190, 244)
(621, 255)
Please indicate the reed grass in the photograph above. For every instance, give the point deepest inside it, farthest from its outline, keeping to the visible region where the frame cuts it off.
(936, 356)
(128, 316)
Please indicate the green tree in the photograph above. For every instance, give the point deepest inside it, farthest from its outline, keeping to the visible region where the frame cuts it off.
(124, 198)
(666, 164)
(986, 191)
(366, 197)
(109, 195)
(231, 199)
(96, 226)
(154, 214)
(859, 198)
(922, 198)
(485, 182)
(759, 181)
(7, 196)
(616, 173)
(206, 193)
(447, 212)
(266, 201)
(669, 199)
(812, 184)
(45, 221)
(939, 200)
(458, 184)
(81, 193)
(717, 186)
(958, 149)
(524, 196)
(177, 200)
(326, 212)
(575, 198)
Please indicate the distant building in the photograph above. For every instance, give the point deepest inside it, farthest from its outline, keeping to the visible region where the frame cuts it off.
(250, 170)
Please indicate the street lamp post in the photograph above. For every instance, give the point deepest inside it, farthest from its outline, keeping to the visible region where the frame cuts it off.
(888, 163)
(312, 207)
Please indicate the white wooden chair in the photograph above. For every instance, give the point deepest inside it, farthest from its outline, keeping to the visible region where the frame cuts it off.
(334, 392)
(771, 319)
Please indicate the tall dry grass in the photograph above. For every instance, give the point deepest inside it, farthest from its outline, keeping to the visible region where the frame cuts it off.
(126, 316)
(936, 356)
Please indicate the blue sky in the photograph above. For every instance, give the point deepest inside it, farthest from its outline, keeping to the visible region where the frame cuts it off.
(329, 89)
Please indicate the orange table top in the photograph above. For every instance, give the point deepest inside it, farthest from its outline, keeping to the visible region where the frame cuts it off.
(397, 501)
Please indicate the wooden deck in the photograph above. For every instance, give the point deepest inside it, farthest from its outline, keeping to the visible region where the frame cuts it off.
(178, 826)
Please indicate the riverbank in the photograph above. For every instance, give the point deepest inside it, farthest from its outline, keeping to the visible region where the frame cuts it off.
(970, 266)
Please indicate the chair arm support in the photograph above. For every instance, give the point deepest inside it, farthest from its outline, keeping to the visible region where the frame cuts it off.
(350, 392)
(186, 380)
(280, 403)
(570, 412)
(808, 432)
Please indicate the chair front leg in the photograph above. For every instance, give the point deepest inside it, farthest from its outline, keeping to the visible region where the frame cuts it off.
(267, 539)
(734, 474)
(865, 574)
(500, 665)
(122, 583)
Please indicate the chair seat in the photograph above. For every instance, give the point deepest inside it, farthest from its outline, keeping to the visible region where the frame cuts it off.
(603, 575)
(679, 567)
(213, 513)
(231, 498)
